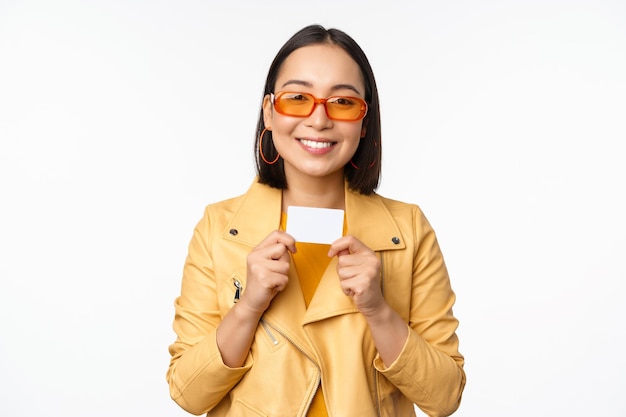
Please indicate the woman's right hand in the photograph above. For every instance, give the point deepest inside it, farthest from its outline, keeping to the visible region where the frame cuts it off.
(268, 268)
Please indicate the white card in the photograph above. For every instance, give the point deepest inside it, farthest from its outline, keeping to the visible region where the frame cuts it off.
(314, 225)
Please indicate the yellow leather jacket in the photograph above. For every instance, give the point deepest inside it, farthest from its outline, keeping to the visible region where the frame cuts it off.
(295, 348)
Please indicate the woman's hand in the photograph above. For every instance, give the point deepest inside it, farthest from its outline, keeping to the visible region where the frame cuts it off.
(359, 274)
(268, 267)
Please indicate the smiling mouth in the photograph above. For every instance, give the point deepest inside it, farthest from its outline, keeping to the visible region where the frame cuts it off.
(316, 144)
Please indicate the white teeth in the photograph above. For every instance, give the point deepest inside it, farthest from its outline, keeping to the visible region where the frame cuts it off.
(315, 144)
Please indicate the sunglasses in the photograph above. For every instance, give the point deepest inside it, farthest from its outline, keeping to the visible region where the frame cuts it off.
(343, 108)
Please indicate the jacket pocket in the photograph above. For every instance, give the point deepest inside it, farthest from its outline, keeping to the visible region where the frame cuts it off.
(242, 409)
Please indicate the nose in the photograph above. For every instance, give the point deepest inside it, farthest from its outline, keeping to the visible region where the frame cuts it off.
(319, 119)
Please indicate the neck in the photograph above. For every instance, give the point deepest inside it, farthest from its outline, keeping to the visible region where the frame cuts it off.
(315, 192)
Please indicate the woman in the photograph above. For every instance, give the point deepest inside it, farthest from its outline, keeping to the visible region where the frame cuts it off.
(268, 326)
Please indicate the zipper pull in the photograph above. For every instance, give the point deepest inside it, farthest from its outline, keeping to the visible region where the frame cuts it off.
(238, 288)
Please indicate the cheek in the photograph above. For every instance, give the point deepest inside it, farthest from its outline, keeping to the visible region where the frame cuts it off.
(283, 125)
(354, 133)
(282, 133)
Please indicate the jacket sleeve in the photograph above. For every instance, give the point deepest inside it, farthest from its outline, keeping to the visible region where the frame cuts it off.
(429, 369)
(198, 378)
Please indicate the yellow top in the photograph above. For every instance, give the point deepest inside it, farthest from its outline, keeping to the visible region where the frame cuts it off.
(310, 261)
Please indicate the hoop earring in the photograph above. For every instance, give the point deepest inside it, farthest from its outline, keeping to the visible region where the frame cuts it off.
(261, 149)
(371, 165)
(356, 167)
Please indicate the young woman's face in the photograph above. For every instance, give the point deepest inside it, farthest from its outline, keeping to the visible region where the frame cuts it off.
(316, 146)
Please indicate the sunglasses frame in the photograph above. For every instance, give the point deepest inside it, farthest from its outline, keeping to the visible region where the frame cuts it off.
(323, 101)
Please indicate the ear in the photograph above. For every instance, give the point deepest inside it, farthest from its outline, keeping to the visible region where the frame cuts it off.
(363, 131)
(268, 111)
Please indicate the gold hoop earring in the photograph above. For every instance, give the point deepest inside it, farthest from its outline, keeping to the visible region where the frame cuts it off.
(261, 149)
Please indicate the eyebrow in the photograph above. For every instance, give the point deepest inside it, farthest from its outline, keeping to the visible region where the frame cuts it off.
(333, 88)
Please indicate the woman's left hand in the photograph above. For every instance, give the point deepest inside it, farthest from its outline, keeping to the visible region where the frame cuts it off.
(358, 268)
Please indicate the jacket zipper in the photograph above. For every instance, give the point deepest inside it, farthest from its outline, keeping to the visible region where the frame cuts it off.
(238, 289)
(267, 328)
(269, 333)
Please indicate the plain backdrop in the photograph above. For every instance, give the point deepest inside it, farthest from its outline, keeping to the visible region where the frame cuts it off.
(121, 119)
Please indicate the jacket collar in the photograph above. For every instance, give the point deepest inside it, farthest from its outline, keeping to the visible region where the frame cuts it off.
(367, 217)
(257, 215)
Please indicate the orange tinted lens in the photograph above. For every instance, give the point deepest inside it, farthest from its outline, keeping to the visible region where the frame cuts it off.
(345, 108)
(294, 104)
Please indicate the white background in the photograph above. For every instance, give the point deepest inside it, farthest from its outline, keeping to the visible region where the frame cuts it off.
(120, 120)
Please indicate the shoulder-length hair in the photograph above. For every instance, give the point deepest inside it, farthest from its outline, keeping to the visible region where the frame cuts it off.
(363, 171)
